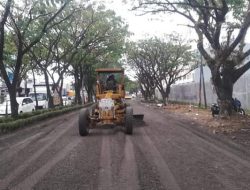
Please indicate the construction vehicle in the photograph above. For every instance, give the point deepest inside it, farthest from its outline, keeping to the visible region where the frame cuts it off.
(111, 108)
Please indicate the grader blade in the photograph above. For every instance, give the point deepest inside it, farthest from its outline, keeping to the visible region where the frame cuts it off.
(138, 116)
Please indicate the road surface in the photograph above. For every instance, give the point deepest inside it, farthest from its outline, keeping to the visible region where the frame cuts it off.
(166, 151)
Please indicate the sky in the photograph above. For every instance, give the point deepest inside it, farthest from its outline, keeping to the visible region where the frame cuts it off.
(153, 25)
(150, 25)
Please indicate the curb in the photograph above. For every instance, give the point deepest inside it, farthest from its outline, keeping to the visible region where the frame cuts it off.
(21, 123)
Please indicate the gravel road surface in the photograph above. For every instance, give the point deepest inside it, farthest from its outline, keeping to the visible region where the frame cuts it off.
(166, 152)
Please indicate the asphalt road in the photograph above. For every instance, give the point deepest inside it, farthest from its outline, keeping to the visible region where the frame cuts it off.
(166, 151)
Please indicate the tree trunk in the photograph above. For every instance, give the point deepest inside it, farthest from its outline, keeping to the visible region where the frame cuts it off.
(90, 96)
(149, 92)
(60, 91)
(34, 86)
(78, 94)
(14, 104)
(168, 89)
(164, 96)
(12, 88)
(225, 98)
(143, 92)
(164, 92)
(77, 91)
(164, 100)
(223, 83)
(50, 98)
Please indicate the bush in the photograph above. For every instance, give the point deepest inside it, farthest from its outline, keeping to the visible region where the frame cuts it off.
(31, 114)
(10, 124)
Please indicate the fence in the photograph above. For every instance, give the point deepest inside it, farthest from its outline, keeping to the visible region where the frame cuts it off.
(189, 92)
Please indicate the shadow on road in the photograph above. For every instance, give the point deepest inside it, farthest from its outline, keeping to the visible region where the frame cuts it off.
(139, 123)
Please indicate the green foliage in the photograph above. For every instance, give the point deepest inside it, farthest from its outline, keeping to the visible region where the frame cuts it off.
(160, 62)
(27, 21)
(161, 54)
(131, 86)
(102, 45)
(75, 40)
(238, 7)
(10, 124)
(221, 27)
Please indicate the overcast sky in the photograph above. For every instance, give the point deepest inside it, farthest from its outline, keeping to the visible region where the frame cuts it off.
(149, 25)
(152, 25)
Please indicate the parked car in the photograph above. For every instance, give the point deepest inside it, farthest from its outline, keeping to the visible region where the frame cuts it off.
(25, 104)
(41, 99)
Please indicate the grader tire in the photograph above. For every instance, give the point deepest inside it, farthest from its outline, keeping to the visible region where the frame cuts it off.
(84, 122)
(129, 120)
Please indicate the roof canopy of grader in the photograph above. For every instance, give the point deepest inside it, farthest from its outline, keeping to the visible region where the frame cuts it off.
(113, 70)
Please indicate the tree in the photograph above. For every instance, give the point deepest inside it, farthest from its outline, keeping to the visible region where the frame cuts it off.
(102, 46)
(21, 20)
(221, 27)
(10, 60)
(162, 62)
(55, 51)
(131, 86)
(143, 74)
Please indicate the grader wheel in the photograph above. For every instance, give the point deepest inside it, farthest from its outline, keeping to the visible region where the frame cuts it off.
(84, 122)
(129, 120)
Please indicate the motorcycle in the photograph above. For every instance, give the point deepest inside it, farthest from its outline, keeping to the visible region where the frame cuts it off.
(236, 104)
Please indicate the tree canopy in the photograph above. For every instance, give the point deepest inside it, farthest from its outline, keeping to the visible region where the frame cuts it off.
(221, 28)
(159, 63)
(60, 38)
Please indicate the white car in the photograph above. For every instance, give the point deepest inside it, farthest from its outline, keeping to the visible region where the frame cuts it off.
(41, 99)
(25, 104)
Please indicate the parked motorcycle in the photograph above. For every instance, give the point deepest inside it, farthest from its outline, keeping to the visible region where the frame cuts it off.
(215, 109)
(236, 104)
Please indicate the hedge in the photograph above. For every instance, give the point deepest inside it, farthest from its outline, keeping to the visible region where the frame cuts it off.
(10, 124)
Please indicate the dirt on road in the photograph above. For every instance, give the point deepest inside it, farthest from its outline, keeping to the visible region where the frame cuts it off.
(236, 127)
(166, 152)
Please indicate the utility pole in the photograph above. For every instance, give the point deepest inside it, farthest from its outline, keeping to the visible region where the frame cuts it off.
(200, 86)
(202, 80)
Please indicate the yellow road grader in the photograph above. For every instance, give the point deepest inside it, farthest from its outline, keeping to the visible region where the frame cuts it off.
(111, 108)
